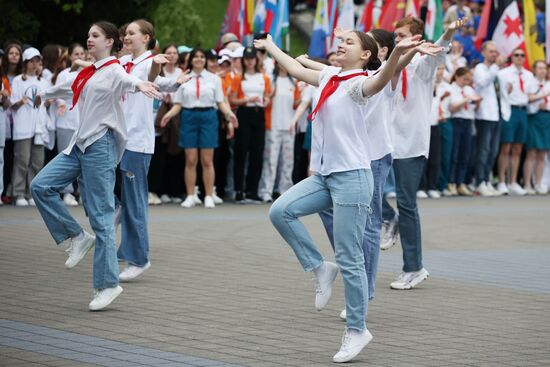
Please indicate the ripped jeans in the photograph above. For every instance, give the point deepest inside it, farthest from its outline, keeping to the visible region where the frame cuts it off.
(349, 194)
(134, 243)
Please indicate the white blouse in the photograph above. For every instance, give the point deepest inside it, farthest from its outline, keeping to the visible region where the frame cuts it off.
(69, 120)
(458, 94)
(99, 105)
(210, 91)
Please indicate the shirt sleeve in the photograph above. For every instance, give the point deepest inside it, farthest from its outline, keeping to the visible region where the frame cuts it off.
(355, 90)
(166, 85)
(428, 64)
(178, 97)
(16, 91)
(59, 91)
(127, 82)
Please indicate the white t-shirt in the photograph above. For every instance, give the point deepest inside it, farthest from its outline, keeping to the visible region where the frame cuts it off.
(511, 75)
(458, 94)
(538, 87)
(340, 140)
(282, 104)
(254, 85)
(210, 91)
(484, 85)
(440, 107)
(26, 118)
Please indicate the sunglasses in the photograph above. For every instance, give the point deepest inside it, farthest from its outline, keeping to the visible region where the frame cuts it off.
(519, 55)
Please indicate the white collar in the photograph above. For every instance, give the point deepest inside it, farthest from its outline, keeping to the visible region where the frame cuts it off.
(103, 61)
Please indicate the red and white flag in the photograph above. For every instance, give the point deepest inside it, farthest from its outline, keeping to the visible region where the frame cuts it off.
(508, 32)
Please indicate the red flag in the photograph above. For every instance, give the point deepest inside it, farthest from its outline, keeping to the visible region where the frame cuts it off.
(392, 12)
(364, 24)
(231, 20)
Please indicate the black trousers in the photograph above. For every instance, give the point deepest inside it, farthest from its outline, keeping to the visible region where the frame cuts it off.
(249, 146)
(431, 169)
(301, 159)
(155, 178)
(222, 155)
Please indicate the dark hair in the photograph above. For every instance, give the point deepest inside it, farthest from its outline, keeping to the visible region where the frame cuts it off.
(416, 26)
(181, 60)
(460, 72)
(50, 57)
(538, 62)
(72, 46)
(193, 54)
(369, 44)
(5, 63)
(330, 54)
(384, 39)
(24, 73)
(111, 32)
(147, 29)
(256, 67)
(61, 64)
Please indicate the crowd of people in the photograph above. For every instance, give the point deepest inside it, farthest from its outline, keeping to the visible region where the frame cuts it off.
(131, 122)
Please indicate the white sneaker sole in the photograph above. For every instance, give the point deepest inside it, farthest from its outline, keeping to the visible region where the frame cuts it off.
(126, 278)
(408, 286)
(389, 245)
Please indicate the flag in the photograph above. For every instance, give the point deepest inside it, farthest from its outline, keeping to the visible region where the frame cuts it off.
(279, 27)
(260, 14)
(434, 20)
(483, 28)
(346, 20)
(317, 46)
(231, 20)
(505, 23)
(392, 12)
(530, 32)
(364, 23)
(246, 18)
(413, 8)
(270, 11)
(332, 21)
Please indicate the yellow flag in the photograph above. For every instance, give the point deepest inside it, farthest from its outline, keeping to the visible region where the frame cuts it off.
(534, 50)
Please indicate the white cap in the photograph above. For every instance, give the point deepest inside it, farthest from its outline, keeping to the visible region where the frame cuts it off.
(225, 52)
(238, 52)
(223, 59)
(31, 52)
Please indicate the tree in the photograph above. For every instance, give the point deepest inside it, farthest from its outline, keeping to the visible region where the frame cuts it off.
(177, 21)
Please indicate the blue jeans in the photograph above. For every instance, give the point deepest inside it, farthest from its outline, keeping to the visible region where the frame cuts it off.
(371, 236)
(97, 168)
(390, 182)
(446, 134)
(462, 144)
(488, 138)
(349, 194)
(134, 243)
(408, 173)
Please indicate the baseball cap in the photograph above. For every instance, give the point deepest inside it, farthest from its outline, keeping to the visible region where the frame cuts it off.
(238, 52)
(249, 52)
(229, 37)
(223, 59)
(30, 52)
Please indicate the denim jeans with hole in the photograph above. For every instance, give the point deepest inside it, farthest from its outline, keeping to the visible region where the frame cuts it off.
(96, 166)
(349, 193)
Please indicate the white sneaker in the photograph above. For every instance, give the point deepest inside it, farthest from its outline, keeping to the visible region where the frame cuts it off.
(266, 198)
(343, 315)
(472, 187)
(390, 233)
(502, 188)
(529, 190)
(483, 190)
(209, 202)
(78, 249)
(69, 200)
(217, 200)
(353, 343)
(104, 297)
(516, 189)
(189, 202)
(31, 202)
(176, 199)
(541, 189)
(324, 277)
(197, 193)
(447, 193)
(165, 199)
(410, 280)
(391, 195)
(154, 199)
(492, 190)
(21, 201)
(132, 272)
(150, 198)
(421, 194)
(434, 194)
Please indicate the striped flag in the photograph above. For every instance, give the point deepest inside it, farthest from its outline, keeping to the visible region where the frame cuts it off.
(279, 27)
(365, 22)
(434, 20)
(392, 12)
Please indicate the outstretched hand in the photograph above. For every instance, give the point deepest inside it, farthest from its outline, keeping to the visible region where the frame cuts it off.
(428, 48)
(409, 43)
(339, 32)
(160, 59)
(184, 77)
(149, 89)
(459, 23)
(261, 44)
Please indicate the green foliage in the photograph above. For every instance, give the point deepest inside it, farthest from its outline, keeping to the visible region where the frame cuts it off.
(177, 21)
(75, 6)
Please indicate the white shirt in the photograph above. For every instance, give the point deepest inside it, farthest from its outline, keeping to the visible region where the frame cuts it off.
(410, 126)
(440, 107)
(484, 84)
(100, 105)
(210, 87)
(339, 131)
(282, 104)
(537, 88)
(510, 75)
(306, 96)
(26, 117)
(458, 94)
(379, 112)
(69, 120)
(253, 85)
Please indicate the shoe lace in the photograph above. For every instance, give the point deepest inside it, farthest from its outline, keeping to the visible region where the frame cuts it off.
(317, 285)
(346, 339)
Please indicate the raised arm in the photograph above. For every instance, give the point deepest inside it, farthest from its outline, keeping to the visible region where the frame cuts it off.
(309, 63)
(375, 84)
(293, 67)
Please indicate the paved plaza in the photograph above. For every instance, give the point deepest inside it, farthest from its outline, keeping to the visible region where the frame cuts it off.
(224, 290)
